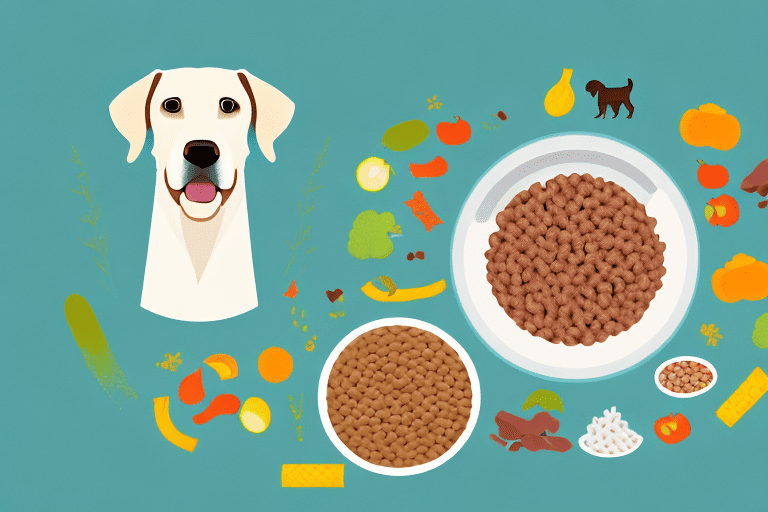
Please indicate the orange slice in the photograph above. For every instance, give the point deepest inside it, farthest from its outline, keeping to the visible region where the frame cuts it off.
(225, 365)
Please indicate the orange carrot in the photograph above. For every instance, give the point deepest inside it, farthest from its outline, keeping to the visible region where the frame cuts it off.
(433, 169)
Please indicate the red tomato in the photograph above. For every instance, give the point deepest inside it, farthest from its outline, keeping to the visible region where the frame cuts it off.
(673, 428)
(453, 133)
(712, 176)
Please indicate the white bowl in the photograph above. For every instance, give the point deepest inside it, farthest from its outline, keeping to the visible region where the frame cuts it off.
(608, 455)
(392, 471)
(677, 360)
(539, 161)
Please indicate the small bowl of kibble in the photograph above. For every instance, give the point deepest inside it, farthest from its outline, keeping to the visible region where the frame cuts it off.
(685, 377)
(398, 396)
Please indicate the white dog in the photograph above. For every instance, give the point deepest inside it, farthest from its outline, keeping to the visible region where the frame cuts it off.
(199, 265)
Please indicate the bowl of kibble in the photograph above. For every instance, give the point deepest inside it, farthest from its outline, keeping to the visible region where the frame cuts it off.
(398, 396)
(685, 377)
(575, 257)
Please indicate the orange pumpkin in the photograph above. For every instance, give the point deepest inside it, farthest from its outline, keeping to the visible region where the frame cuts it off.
(710, 125)
(454, 133)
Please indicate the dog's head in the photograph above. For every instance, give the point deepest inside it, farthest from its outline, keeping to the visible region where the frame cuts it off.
(593, 86)
(200, 120)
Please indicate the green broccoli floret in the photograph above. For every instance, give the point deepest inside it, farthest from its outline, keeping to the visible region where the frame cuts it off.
(369, 237)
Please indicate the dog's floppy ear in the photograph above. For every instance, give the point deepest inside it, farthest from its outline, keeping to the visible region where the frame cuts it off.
(130, 112)
(271, 111)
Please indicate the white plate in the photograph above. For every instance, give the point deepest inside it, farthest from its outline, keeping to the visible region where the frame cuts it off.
(677, 360)
(322, 402)
(608, 455)
(540, 161)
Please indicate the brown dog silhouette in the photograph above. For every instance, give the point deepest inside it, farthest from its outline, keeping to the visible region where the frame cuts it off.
(613, 96)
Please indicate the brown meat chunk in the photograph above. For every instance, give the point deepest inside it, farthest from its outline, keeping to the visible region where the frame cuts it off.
(757, 180)
(513, 427)
(536, 443)
(500, 441)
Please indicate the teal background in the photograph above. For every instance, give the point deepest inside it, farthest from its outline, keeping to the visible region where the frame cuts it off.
(353, 70)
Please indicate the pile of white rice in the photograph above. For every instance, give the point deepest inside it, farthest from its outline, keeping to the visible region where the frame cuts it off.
(610, 435)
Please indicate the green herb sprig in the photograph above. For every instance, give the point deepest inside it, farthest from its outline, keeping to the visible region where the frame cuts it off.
(297, 414)
(98, 242)
(306, 207)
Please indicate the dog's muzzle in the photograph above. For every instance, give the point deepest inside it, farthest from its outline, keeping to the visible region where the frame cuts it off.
(200, 198)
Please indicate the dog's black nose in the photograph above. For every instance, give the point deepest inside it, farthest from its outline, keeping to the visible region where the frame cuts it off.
(202, 153)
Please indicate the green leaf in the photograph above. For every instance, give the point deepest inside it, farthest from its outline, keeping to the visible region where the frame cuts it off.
(548, 400)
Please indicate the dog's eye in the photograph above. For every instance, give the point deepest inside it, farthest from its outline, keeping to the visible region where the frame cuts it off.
(228, 105)
(172, 105)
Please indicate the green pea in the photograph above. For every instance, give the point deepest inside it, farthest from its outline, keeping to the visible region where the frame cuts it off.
(406, 135)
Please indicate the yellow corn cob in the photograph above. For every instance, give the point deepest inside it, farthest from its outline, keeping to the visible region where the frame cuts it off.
(313, 475)
(742, 400)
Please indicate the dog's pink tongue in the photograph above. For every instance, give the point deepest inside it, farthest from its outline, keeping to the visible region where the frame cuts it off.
(201, 191)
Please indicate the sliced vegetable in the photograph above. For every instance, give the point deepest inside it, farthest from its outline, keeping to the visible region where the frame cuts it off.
(373, 174)
(255, 415)
(423, 211)
(432, 169)
(225, 365)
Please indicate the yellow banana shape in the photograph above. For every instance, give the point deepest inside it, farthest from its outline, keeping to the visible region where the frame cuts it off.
(169, 431)
(403, 294)
(560, 98)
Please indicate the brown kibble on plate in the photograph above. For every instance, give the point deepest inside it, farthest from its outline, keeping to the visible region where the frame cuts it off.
(411, 397)
(575, 261)
(685, 376)
(420, 255)
(410, 256)
(501, 115)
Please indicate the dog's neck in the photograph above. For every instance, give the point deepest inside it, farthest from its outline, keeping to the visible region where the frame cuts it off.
(199, 271)
(200, 239)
